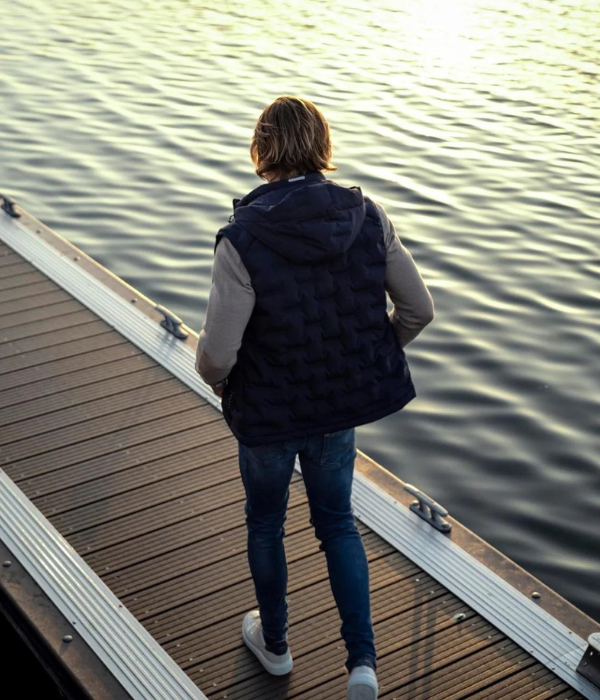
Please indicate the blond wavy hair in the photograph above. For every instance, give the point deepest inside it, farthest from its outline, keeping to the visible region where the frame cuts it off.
(291, 138)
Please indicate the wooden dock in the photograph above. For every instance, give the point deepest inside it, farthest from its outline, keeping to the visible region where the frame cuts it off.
(139, 474)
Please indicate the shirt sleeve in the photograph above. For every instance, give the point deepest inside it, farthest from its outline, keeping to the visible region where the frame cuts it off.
(230, 304)
(413, 303)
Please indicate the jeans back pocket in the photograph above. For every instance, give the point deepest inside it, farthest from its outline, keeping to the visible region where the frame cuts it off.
(337, 448)
(268, 453)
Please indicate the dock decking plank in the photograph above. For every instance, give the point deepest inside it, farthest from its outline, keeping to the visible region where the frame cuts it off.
(140, 475)
(163, 399)
(160, 514)
(39, 313)
(61, 367)
(75, 415)
(23, 292)
(167, 487)
(21, 361)
(30, 276)
(216, 546)
(177, 420)
(8, 257)
(21, 347)
(392, 606)
(155, 544)
(400, 662)
(531, 680)
(80, 395)
(125, 504)
(175, 593)
(107, 474)
(26, 303)
(189, 463)
(47, 325)
(232, 598)
(391, 572)
(442, 669)
(82, 378)
(17, 267)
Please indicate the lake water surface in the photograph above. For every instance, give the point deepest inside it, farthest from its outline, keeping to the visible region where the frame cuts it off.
(125, 125)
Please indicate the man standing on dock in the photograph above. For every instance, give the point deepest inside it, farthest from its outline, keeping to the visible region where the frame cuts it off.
(298, 342)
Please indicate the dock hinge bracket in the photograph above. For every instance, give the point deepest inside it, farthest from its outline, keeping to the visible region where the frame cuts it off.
(172, 323)
(428, 509)
(8, 206)
(589, 666)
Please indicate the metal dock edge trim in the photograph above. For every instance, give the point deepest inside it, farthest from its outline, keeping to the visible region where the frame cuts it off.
(134, 657)
(513, 613)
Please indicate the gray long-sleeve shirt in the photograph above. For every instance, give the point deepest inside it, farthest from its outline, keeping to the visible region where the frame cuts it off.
(232, 299)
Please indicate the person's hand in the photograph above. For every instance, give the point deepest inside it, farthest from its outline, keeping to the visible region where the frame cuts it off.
(218, 390)
(219, 387)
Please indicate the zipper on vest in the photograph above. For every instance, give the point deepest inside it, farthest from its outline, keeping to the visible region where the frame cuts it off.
(229, 404)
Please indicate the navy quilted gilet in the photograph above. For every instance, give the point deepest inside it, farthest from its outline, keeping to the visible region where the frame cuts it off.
(319, 353)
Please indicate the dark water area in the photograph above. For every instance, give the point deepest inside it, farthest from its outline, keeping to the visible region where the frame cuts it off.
(126, 126)
(21, 669)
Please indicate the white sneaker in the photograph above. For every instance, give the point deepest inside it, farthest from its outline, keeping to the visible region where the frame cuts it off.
(278, 665)
(362, 684)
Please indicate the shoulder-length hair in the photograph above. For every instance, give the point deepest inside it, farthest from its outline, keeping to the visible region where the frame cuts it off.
(291, 138)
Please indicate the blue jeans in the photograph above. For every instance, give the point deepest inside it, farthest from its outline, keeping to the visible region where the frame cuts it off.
(327, 463)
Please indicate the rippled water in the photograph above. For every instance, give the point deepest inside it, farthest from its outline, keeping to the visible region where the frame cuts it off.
(126, 125)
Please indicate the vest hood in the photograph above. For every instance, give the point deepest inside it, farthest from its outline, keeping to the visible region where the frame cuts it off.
(305, 220)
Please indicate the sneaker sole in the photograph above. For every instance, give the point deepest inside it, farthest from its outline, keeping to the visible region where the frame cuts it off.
(281, 669)
(362, 686)
(362, 692)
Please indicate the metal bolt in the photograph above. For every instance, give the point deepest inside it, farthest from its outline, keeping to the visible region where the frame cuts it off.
(535, 594)
(67, 638)
(76, 257)
(134, 301)
(459, 616)
(6, 564)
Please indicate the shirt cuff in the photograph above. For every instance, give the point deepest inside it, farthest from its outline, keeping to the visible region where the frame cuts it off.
(208, 371)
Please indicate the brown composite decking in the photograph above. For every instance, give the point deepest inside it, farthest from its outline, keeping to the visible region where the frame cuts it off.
(140, 475)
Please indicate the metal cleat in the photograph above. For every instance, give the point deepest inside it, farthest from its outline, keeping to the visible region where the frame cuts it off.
(8, 205)
(172, 323)
(428, 509)
(589, 666)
